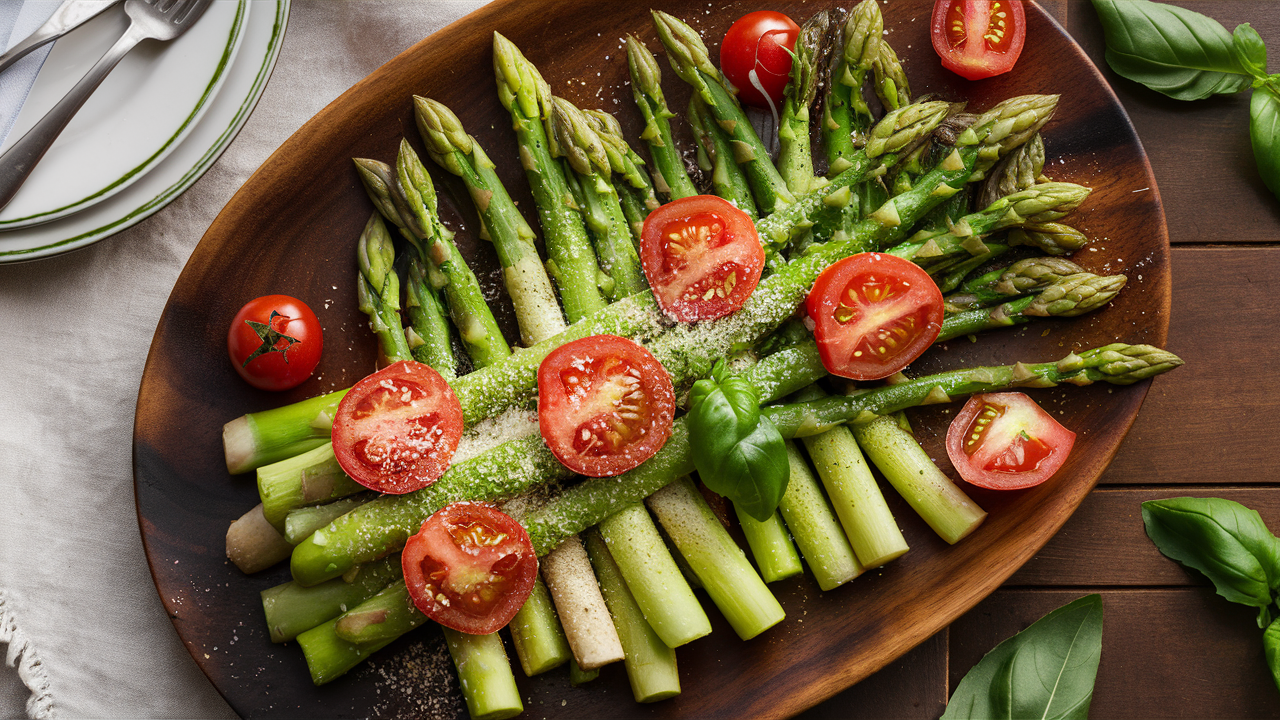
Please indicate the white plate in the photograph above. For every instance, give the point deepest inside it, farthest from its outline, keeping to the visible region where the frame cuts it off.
(140, 113)
(244, 83)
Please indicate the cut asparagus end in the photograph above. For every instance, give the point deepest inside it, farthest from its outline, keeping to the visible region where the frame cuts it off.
(536, 633)
(253, 544)
(816, 528)
(771, 546)
(488, 685)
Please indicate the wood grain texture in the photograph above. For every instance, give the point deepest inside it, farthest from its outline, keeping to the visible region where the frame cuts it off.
(1199, 150)
(1214, 420)
(291, 229)
(1208, 665)
(1104, 543)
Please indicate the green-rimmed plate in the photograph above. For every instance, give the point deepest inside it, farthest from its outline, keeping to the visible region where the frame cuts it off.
(246, 62)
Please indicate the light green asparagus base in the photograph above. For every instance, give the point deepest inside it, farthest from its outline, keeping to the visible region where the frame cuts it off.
(771, 546)
(291, 609)
(536, 633)
(488, 685)
(816, 528)
(734, 586)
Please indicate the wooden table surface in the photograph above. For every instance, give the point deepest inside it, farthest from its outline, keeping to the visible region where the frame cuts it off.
(1171, 646)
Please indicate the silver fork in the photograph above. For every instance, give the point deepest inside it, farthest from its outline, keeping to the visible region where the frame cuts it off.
(161, 20)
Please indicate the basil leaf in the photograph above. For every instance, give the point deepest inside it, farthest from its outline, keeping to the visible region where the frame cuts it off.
(738, 453)
(1046, 671)
(1264, 131)
(1171, 50)
(1250, 51)
(1222, 539)
(1271, 646)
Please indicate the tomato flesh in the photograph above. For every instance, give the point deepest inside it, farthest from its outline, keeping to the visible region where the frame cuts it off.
(605, 404)
(395, 431)
(275, 342)
(702, 257)
(873, 314)
(470, 567)
(756, 56)
(1005, 441)
(978, 38)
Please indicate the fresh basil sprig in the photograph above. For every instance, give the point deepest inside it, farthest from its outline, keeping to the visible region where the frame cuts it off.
(738, 452)
(1045, 671)
(1188, 56)
(1223, 540)
(1230, 545)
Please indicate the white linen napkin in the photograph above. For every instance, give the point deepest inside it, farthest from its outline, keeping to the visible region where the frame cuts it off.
(17, 21)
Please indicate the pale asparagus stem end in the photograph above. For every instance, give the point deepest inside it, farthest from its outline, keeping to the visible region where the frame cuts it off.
(253, 544)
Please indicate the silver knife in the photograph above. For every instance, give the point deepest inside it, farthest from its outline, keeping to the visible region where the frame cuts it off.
(69, 16)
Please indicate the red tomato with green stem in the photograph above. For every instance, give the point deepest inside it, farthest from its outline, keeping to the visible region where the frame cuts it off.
(873, 314)
(1005, 441)
(470, 567)
(275, 342)
(756, 56)
(978, 38)
(702, 257)
(605, 404)
(396, 430)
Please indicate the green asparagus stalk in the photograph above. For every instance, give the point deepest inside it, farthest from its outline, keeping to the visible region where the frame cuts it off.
(578, 676)
(410, 191)
(428, 332)
(1023, 277)
(771, 547)
(890, 84)
(1019, 170)
(328, 656)
(795, 156)
(378, 288)
(385, 616)
(816, 528)
(918, 480)
(292, 609)
(846, 117)
(488, 685)
(574, 137)
(669, 175)
(654, 581)
(727, 179)
(572, 262)
(854, 494)
(537, 312)
(717, 560)
(1071, 296)
(636, 193)
(650, 663)
(1050, 237)
(493, 389)
(312, 478)
(536, 633)
(688, 57)
(300, 523)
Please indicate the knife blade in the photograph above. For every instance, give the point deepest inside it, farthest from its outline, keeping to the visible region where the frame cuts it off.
(69, 16)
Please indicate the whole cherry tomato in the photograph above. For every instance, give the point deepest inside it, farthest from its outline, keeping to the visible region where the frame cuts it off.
(275, 342)
(756, 56)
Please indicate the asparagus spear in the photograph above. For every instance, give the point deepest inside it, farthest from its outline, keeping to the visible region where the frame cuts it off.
(890, 84)
(581, 607)
(1071, 296)
(1050, 237)
(574, 137)
(846, 117)
(292, 609)
(795, 158)
(485, 675)
(378, 288)
(493, 389)
(770, 544)
(1019, 170)
(412, 194)
(669, 175)
(1025, 276)
(572, 263)
(727, 178)
(448, 144)
(428, 332)
(688, 57)
(815, 526)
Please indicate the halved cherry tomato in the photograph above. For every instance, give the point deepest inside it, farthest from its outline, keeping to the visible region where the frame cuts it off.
(873, 314)
(1005, 441)
(978, 38)
(470, 568)
(702, 257)
(395, 431)
(605, 404)
(275, 342)
(756, 56)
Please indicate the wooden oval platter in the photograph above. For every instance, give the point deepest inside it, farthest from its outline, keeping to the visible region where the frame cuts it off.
(292, 229)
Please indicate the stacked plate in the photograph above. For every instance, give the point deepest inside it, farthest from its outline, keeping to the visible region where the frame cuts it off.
(155, 125)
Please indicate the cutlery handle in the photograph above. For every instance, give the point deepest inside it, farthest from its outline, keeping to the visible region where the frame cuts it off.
(31, 42)
(20, 159)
